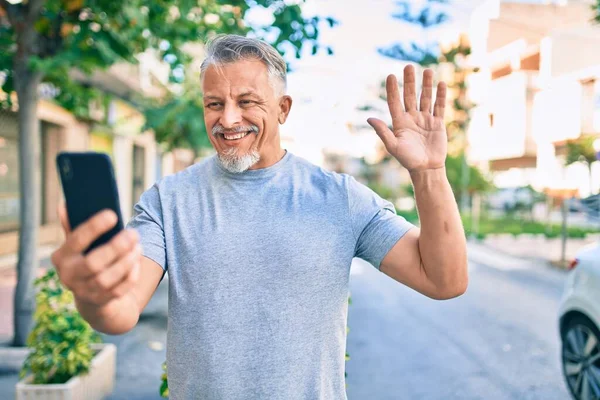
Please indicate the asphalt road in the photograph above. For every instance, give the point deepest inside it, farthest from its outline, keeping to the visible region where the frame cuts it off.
(498, 341)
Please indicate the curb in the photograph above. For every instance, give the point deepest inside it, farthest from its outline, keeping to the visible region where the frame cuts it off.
(12, 358)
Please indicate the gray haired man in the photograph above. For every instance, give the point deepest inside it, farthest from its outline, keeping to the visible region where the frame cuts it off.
(258, 242)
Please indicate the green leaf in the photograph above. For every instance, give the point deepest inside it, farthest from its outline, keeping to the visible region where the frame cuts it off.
(60, 339)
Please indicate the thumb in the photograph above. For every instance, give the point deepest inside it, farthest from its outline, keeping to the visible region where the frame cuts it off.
(382, 130)
(64, 219)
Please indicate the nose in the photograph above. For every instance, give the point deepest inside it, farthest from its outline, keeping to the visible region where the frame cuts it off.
(231, 116)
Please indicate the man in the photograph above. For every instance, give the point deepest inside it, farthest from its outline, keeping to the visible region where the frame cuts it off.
(258, 242)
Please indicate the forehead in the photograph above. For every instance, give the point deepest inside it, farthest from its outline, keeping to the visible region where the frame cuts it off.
(237, 77)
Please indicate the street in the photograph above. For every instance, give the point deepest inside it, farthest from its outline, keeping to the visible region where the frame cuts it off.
(498, 341)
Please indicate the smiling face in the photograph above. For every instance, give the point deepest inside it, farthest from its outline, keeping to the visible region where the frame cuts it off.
(242, 113)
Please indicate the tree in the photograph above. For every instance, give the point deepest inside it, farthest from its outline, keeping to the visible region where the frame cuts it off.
(46, 40)
(582, 150)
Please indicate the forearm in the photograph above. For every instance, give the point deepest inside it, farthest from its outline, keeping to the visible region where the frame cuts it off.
(442, 243)
(114, 318)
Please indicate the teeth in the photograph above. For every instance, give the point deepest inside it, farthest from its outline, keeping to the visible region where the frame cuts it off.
(238, 136)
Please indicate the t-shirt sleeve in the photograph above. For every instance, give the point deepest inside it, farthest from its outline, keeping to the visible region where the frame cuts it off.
(148, 222)
(376, 226)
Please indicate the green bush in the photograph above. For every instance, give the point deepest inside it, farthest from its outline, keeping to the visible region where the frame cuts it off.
(517, 226)
(61, 339)
(164, 386)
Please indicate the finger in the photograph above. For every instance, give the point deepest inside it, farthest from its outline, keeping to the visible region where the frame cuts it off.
(64, 218)
(128, 283)
(85, 234)
(393, 97)
(67, 266)
(98, 259)
(382, 130)
(440, 101)
(410, 93)
(108, 279)
(427, 90)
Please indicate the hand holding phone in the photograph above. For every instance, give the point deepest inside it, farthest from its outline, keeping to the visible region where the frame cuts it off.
(104, 274)
(99, 260)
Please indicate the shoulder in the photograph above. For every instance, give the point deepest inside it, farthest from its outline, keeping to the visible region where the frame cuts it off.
(318, 175)
(189, 177)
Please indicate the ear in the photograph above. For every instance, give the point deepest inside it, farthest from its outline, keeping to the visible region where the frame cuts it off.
(285, 105)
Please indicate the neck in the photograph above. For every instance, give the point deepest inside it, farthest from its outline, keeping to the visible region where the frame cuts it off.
(270, 155)
(269, 159)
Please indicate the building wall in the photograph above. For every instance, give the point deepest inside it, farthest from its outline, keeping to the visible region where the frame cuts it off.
(532, 22)
(533, 109)
(61, 132)
(506, 105)
(581, 44)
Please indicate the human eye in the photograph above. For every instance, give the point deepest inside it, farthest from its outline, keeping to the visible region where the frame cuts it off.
(214, 105)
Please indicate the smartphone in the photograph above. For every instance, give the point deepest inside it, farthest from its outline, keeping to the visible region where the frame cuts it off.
(89, 186)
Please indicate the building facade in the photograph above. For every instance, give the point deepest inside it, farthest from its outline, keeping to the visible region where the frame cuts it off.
(535, 90)
(115, 129)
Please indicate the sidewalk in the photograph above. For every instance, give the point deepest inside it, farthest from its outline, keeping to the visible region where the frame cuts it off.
(9, 261)
(536, 247)
(481, 253)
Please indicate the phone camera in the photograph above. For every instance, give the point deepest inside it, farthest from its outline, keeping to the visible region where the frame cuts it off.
(66, 169)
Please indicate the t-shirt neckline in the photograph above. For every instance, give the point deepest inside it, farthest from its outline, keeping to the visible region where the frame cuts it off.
(253, 174)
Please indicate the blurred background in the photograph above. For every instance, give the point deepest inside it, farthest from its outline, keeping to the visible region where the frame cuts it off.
(523, 120)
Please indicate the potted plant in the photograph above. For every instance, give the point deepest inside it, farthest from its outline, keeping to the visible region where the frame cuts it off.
(66, 359)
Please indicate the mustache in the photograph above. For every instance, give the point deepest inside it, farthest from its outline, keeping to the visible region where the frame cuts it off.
(217, 129)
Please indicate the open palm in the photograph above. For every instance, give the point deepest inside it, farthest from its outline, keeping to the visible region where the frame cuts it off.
(418, 137)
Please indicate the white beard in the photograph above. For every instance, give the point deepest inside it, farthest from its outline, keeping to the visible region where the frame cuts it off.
(238, 164)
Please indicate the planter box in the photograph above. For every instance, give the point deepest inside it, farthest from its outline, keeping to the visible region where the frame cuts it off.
(96, 385)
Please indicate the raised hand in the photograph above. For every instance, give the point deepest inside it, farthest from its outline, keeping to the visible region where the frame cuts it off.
(418, 137)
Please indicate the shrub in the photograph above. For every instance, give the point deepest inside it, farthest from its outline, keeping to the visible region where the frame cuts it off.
(164, 386)
(61, 339)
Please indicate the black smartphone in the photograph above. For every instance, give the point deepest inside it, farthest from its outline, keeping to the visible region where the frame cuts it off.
(89, 186)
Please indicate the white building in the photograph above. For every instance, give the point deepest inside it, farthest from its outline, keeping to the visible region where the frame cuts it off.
(536, 88)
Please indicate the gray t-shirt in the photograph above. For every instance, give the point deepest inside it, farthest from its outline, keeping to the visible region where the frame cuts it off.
(258, 266)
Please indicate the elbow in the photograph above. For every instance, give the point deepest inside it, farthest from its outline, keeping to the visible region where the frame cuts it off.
(453, 288)
(115, 327)
(114, 330)
(450, 292)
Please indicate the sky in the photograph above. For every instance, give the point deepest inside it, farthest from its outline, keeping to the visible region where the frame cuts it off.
(328, 89)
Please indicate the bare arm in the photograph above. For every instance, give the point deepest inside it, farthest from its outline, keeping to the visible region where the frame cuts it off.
(122, 314)
(432, 260)
(113, 283)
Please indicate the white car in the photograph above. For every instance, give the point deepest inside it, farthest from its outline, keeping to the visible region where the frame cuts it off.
(579, 320)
